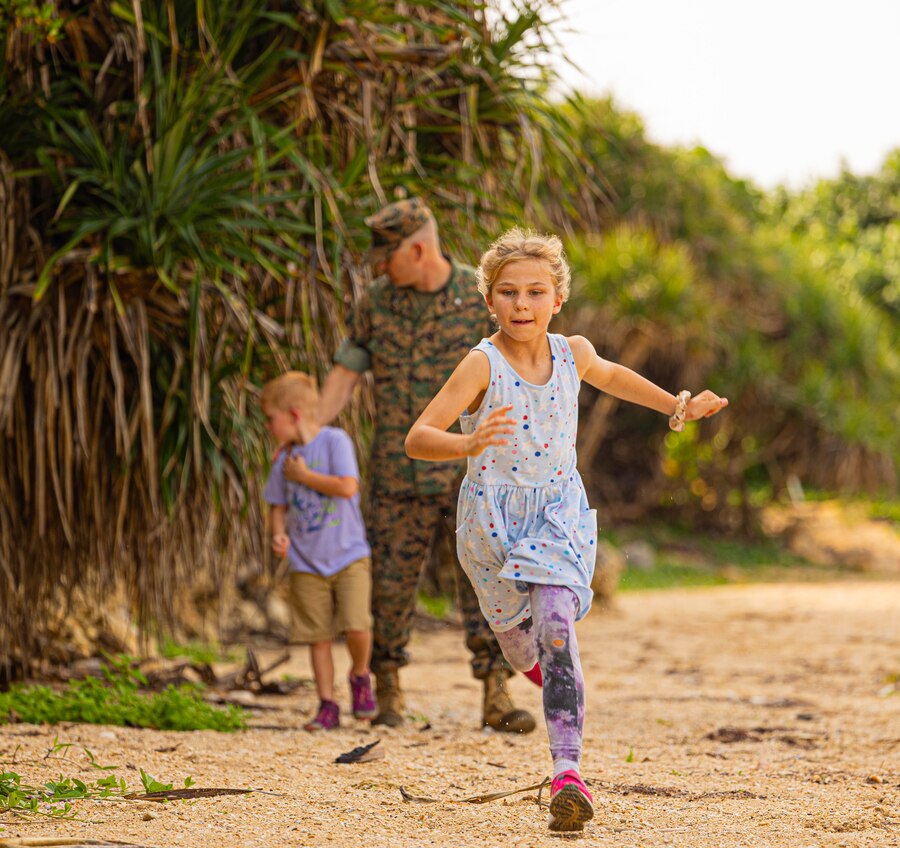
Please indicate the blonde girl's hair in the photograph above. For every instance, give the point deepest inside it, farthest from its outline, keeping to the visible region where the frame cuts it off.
(292, 390)
(518, 244)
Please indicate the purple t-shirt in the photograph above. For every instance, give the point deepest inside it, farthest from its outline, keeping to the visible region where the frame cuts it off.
(326, 533)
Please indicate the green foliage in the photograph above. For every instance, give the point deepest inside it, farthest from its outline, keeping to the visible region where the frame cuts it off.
(37, 21)
(55, 798)
(688, 560)
(877, 509)
(629, 269)
(198, 652)
(438, 607)
(670, 576)
(885, 511)
(783, 303)
(118, 701)
(852, 228)
(151, 784)
(188, 186)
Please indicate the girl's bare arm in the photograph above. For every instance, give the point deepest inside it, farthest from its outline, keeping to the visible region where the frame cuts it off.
(428, 437)
(623, 383)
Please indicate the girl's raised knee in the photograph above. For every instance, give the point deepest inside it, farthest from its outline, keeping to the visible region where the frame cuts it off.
(555, 638)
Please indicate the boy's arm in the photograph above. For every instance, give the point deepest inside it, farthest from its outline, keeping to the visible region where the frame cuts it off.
(326, 484)
(280, 540)
(623, 383)
(277, 515)
(428, 437)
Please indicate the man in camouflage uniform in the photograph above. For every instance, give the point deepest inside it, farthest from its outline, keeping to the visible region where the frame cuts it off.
(419, 319)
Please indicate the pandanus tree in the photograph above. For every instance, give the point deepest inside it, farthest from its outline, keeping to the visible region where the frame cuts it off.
(182, 194)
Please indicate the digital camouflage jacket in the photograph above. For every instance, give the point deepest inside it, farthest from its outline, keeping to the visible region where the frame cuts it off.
(412, 342)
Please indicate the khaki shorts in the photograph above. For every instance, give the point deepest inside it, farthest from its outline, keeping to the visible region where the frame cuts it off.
(324, 607)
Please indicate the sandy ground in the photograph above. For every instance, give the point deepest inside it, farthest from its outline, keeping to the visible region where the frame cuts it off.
(739, 716)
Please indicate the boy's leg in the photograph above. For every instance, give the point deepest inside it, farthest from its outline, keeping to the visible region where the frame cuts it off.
(328, 715)
(553, 610)
(353, 612)
(312, 623)
(353, 617)
(359, 645)
(323, 669)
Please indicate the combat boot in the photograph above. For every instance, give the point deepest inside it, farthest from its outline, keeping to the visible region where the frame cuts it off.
(389, 697)
(499, 711)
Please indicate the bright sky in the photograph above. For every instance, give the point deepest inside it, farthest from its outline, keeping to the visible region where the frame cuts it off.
(782, 90)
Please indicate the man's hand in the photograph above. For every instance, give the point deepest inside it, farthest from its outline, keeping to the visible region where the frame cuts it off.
(280, 544)
(491, 431)
(295, 469)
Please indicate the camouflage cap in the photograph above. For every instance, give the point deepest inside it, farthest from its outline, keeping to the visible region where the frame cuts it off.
(394, 223)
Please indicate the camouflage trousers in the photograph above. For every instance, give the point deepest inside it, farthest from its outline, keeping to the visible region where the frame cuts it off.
(401, 531)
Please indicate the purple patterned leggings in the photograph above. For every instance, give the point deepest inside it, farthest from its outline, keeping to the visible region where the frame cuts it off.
(548, 637)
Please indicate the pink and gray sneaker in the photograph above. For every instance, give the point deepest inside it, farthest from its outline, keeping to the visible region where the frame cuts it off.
(363, 699)
(571, 805)
(327, 718)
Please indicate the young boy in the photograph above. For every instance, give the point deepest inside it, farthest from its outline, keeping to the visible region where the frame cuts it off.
(317, 524)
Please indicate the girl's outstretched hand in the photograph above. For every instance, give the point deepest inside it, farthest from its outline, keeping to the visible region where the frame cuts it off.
(491, 431)
(704, 405)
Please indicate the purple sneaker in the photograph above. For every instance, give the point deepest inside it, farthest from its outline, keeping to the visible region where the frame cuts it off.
(363, 699)
(327, 718)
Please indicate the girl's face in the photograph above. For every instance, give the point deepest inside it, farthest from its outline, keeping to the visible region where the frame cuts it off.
(281, 423)
(524, 298)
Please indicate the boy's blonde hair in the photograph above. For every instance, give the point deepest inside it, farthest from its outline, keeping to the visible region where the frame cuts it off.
(517, 244)
(292, 390)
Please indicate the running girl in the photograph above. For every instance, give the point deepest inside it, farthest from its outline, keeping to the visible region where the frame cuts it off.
(526, 535)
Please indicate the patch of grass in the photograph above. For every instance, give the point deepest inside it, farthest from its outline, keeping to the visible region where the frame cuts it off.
(877, 509)
(749, 555)
(686, 560)
(885, 511)
(118, 701)
(668, 576)
(438, 607)
(198, 652)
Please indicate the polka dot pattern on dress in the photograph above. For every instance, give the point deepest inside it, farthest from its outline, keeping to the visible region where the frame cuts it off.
(523, 515)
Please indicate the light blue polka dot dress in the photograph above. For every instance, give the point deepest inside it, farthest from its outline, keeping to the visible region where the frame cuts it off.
(523, 515)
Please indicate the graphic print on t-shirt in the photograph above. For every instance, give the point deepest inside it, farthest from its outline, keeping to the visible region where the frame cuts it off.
(311, 511)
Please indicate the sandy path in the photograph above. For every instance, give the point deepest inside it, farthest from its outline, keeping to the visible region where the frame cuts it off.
(800, 671)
